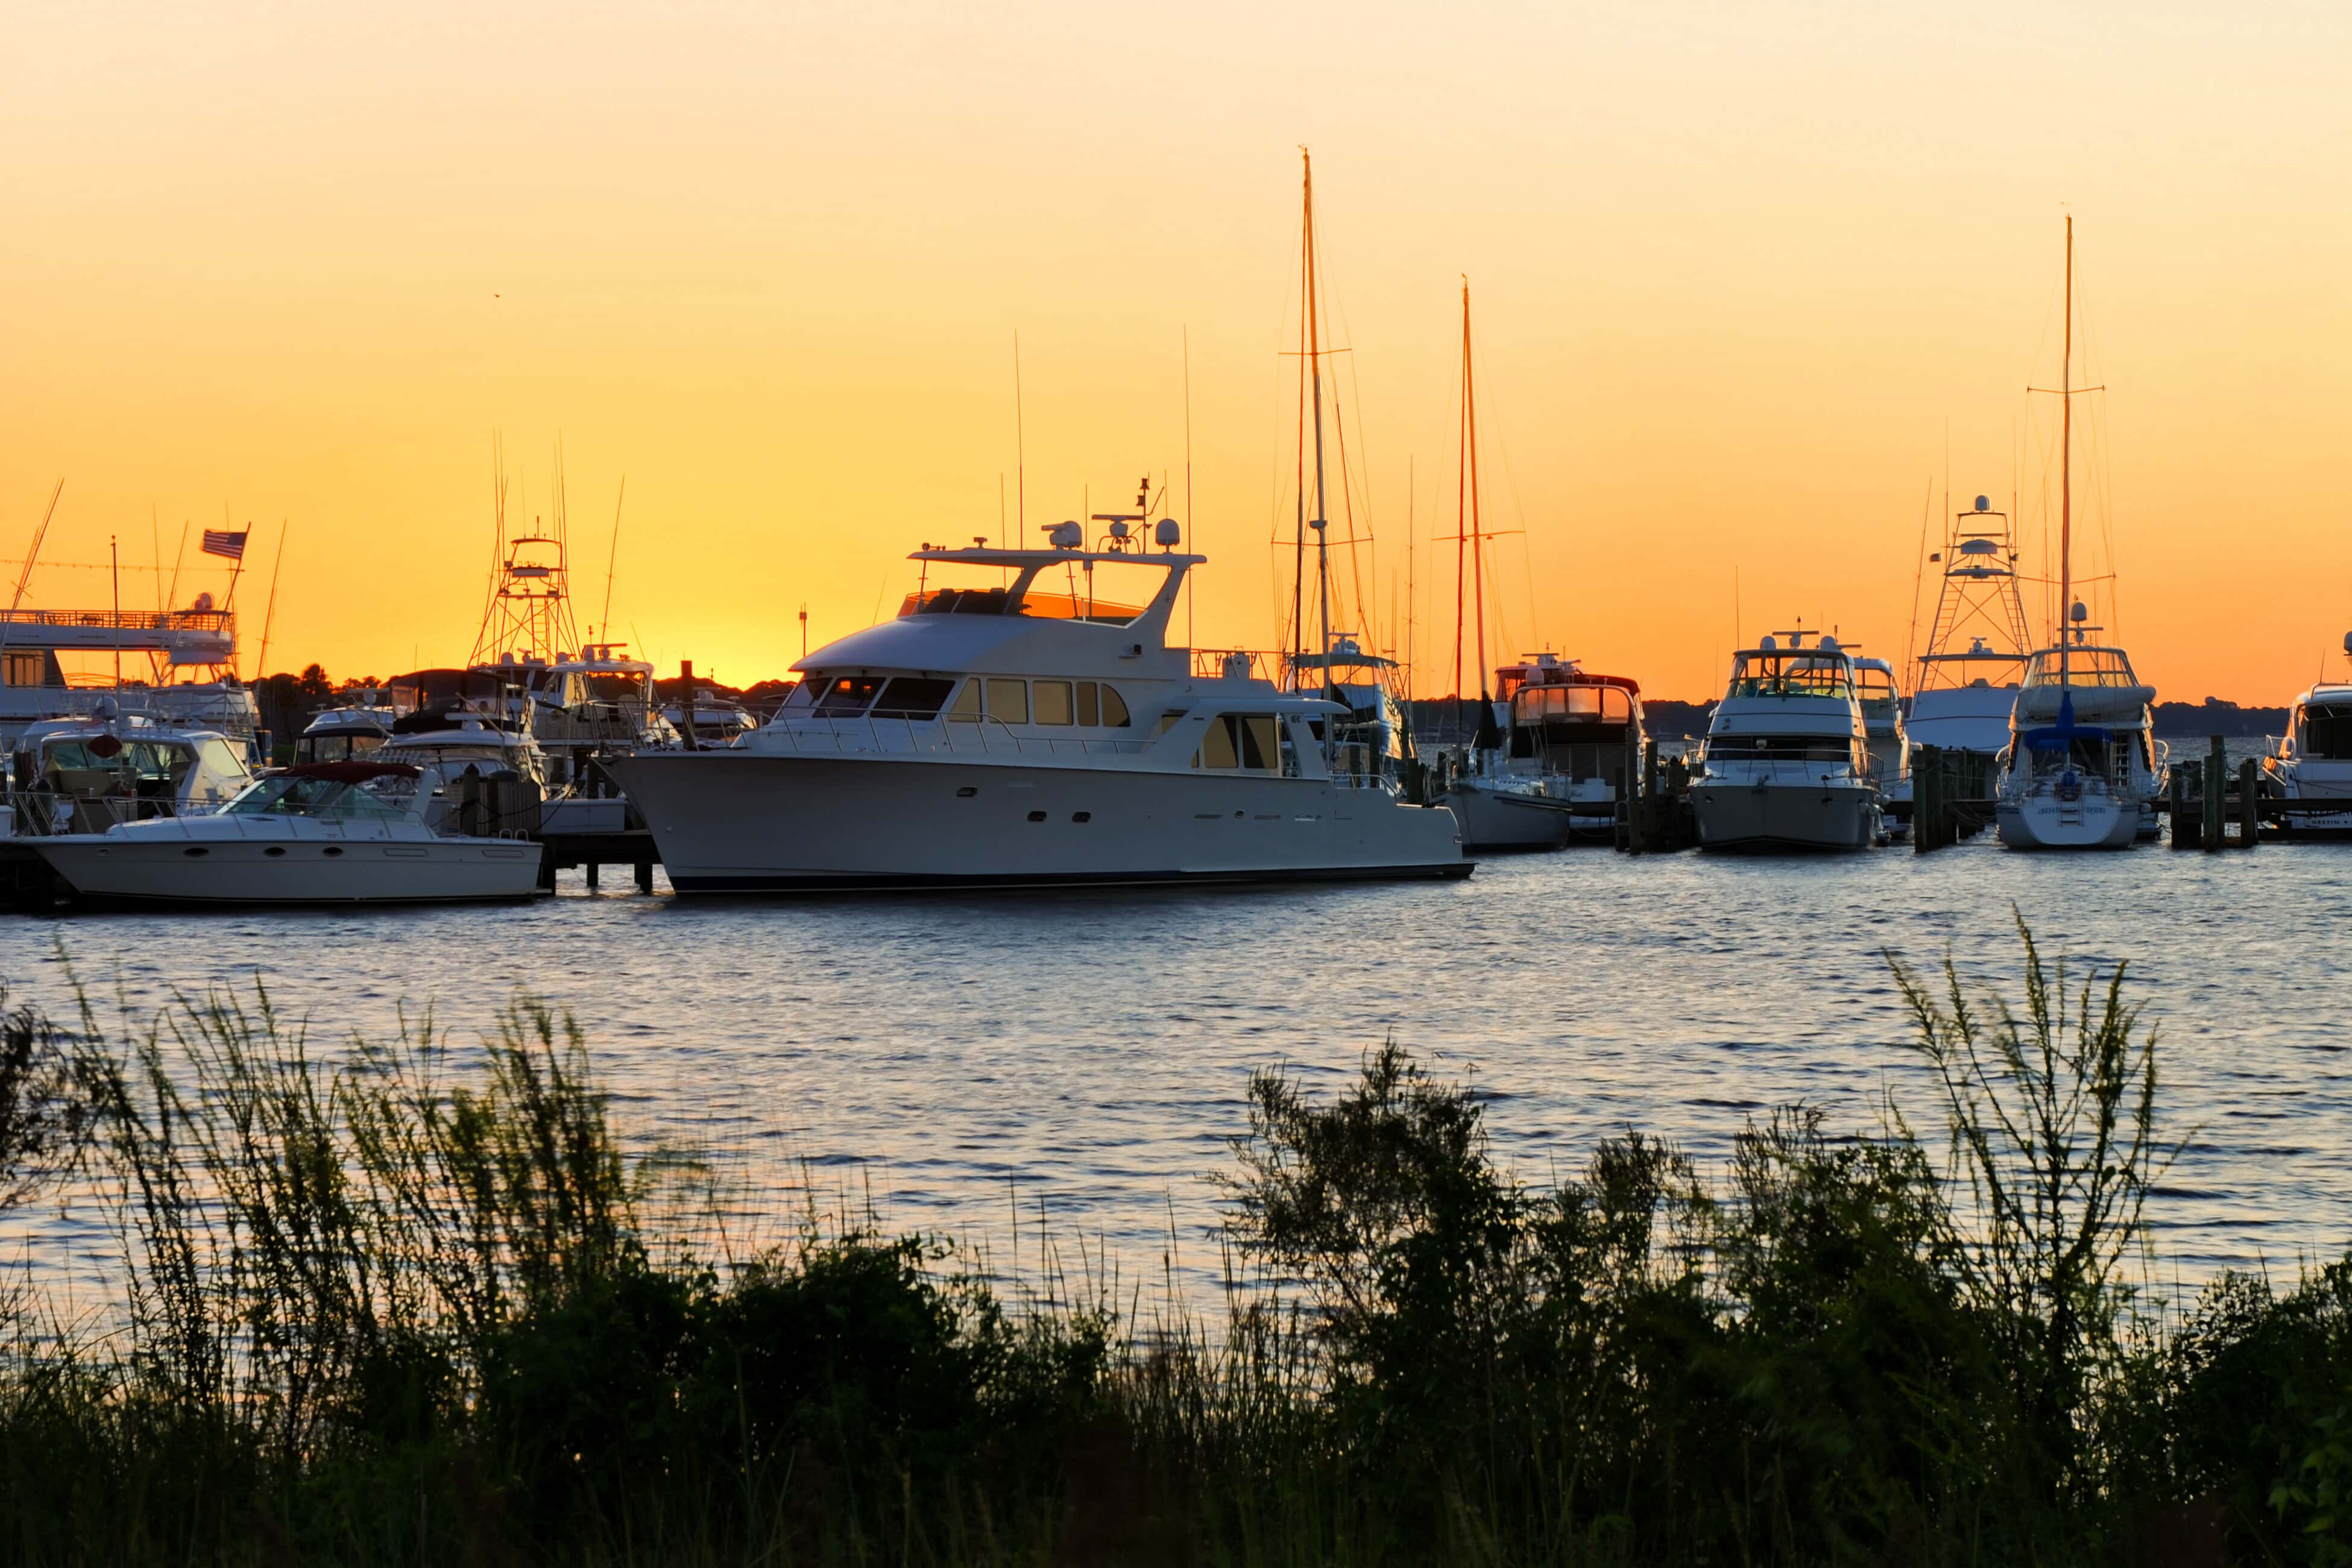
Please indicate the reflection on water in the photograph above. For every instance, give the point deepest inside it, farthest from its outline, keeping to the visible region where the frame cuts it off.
(1090, 1051)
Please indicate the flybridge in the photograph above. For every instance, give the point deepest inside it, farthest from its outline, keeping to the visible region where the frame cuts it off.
(202, 636)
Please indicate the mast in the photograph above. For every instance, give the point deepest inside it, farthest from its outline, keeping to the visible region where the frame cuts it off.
(1306, 310)
(1469, 533)
(2066, 466)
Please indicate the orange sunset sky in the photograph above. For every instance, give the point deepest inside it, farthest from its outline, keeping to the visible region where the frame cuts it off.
(1745, 275)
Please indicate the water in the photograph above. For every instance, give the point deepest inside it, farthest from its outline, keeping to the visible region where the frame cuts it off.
(1086, 1054)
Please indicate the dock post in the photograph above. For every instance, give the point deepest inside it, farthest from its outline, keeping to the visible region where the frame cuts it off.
(2249, 805)
(589, 868)
(2217, 799)
(645, 876)
(2179, 783)
(1926, 812)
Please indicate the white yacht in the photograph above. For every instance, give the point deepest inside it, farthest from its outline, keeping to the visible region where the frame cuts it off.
(1786, 761)
(57, 664)
(716, 720)
(1889, 744)
(323, 832)
(2313, 762)
(1967, 680)
(1372, 738)
(2082, 769)
(1560, 767)
(1019, 728)
(85, 775)
(581, 706)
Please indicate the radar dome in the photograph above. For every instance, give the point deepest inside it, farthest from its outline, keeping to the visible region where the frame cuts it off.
(2348, 642)
(1768, 643)
(1984, 503)
(1168, 535)
(2081, 612)
(1827, 644)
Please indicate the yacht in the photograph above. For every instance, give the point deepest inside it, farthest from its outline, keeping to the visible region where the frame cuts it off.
(58, 664)
(2081, 767)
(1786, 761)
(581, 706)
(319, 833)
(1019, 728)
(85, 775)
(1966, 683)
(1890, 745)
(1372, 739)
(2315, 760)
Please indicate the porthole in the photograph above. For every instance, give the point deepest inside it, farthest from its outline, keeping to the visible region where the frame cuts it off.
(1081, 816)
(330, 851)
(967, 792)
(273, 851)
(1036, 816)
(194, 852)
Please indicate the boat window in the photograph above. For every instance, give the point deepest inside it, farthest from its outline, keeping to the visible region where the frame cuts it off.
(1054, 704)
(24, 669)
(2084, 667)
(912, 697)
(1167, 721)
(1218, 746)
(220, 758)
(805, 695)
(1008, 701)
(966, 707)
(955, 602)
(386, 796)
(1780, 748)
(849, 695)
(1259, 749)
(1791, 674)
(1089, 709)
(1114, 710)
(2327, 733)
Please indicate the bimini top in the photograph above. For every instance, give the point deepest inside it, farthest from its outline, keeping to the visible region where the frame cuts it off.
(1551, 670)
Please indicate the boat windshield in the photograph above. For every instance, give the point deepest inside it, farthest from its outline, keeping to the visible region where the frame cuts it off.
(1077, 591)
(2084, 667)
(1574, 705)
(382, 797)
(122, 761)
(1791, 673)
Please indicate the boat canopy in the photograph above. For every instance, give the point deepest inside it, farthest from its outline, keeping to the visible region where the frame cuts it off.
(2062, 735)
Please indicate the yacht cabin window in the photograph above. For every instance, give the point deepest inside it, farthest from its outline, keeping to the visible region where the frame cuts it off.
(966, 706)
(1090, 706)
(1780, 748)
(1055, 703)
(912, 697)
(1248, 742)
(1790, 673)
(1114, 708)
(2327, 733)
(848, 694)
(1008, 701)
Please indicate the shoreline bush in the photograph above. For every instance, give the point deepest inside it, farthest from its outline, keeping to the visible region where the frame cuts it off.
(382, 1312)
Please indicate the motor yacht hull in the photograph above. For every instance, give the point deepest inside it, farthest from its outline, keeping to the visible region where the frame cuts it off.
(739, 821)
(112, 868)
(1734, 814)
(1493, 817)
(2043, 821)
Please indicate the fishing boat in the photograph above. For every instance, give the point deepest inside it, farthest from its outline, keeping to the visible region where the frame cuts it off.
(316, 833)
(714, 719)
(2081, 767)
(1889, 745)
(1505, 801)
(2313, 761)
(1786, 761)
(1020, 723)
(1964, 686)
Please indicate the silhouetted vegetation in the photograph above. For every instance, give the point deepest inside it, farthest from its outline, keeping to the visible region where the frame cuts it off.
(383, 1310)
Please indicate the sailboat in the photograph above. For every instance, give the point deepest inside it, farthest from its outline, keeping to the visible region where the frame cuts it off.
(2081, 768)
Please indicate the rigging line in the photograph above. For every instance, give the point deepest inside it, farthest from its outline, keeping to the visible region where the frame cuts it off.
(1518, 508)
(1918, 575)
(269, 614)
(612, 556)
(1020, 450)
(1186, 540)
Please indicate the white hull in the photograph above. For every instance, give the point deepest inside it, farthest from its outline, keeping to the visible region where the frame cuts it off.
(2043, 821)
(741, 821)
(1734, 815)
(1495, 818)
(311, 870)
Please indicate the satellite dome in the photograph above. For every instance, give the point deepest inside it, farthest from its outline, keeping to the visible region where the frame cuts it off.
(1168, 535)
(2080, 613)
(105, 708)
(1984, 503)
(1826, 644)
(2348, 642)
(1768, 643)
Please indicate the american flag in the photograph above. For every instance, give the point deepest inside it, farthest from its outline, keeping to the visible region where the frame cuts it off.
(220, 541)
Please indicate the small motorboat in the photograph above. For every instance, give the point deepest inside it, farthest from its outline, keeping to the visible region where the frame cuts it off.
(316, 833)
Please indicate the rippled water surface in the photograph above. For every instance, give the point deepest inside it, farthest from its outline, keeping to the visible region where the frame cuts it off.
(1088, 1052)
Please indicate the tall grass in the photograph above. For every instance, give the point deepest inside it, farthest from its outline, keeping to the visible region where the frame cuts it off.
(380, 1309)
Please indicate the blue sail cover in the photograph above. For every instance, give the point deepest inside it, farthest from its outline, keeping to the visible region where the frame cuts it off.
(2060, 736)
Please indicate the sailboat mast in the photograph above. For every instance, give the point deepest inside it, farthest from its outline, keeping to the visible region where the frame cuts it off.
(1306, 310)
(1321, 522)
(1470, 464)
(2066, 466)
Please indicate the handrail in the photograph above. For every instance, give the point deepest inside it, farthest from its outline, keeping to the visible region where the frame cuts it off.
(125, 620)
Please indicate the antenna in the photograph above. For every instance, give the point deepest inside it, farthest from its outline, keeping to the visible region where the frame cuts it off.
(1187, 539)
(1020, 450)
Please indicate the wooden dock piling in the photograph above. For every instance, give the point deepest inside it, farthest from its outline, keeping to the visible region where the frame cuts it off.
(2215, 781)
(2250, 807)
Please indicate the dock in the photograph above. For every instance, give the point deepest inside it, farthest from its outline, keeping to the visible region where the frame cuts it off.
(631, 847)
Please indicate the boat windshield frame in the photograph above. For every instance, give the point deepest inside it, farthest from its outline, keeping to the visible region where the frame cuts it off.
(386, 796)
(1813, 673)
(2087, 666)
